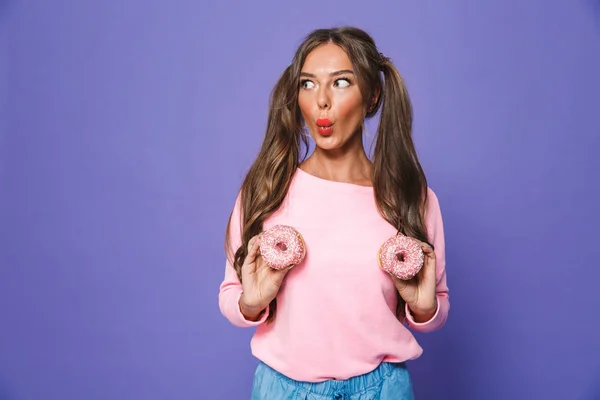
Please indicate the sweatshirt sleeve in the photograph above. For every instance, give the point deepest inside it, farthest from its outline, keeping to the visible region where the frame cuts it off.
(230, 289)
(435, 229)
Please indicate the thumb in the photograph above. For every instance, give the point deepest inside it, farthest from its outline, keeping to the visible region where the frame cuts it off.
(402, 284)
(279, 274)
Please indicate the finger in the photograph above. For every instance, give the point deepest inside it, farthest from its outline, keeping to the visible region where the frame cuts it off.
(427, 250)
(253, 247)
(277, 275)
(280, 271)
(252, 242)
(406, 288)
(400, 284)
(428, 272)
(260, 263)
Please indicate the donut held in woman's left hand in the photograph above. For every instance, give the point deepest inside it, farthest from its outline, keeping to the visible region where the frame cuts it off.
(401, 256)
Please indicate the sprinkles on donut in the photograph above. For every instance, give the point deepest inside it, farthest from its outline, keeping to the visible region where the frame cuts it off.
(282, 246)
(401, 256)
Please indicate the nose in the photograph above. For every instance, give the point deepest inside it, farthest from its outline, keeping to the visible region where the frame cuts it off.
(323, 99)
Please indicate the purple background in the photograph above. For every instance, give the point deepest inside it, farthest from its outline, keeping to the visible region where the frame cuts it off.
(127, 127)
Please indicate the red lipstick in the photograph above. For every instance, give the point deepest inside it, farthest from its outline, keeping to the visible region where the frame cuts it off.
(324, 126)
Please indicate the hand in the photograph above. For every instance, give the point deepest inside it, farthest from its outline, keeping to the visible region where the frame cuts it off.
(260, 283)
(419, 292)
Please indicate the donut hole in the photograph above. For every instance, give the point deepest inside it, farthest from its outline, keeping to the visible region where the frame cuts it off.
(401, 256)
(281, 246)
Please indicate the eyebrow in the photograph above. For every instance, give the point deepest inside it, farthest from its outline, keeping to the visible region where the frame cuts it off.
(335, 73)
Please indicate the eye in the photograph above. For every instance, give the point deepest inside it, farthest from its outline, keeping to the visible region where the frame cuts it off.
(306, 84)
(342, 82)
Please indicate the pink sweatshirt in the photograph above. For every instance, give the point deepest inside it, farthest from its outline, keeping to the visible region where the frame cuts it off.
(336, 310)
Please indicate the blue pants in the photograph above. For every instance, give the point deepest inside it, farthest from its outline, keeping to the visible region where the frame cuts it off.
(389, 381)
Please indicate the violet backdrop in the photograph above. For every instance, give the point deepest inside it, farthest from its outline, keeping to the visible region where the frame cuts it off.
(126, 128)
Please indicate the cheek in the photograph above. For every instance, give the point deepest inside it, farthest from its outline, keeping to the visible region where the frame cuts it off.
(305, 105)
(350, 107)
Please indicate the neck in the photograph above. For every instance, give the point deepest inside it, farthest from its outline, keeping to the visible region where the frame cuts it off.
(349, 165)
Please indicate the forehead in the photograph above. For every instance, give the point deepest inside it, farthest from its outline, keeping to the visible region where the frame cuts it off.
(326, 58)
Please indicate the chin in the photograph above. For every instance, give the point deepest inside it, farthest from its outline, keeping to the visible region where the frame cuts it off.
(327, 143)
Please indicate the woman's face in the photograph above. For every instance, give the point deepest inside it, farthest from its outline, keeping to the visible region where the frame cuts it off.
(330, 99)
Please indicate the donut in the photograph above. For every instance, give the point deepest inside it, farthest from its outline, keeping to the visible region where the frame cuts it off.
(401, 256)
(282, 246)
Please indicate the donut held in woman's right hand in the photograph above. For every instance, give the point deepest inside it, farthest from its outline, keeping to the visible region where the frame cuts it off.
(401, 256)
(282, 246)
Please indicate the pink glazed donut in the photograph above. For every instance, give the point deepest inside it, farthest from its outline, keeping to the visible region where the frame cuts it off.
(282, 246)
(401, 256)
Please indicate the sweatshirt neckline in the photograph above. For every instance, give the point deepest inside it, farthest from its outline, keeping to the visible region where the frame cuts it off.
(329, 183)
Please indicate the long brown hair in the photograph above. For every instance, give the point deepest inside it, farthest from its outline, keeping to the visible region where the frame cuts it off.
(399, 182)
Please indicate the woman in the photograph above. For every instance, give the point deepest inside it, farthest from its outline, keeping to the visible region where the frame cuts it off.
(336, 325)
